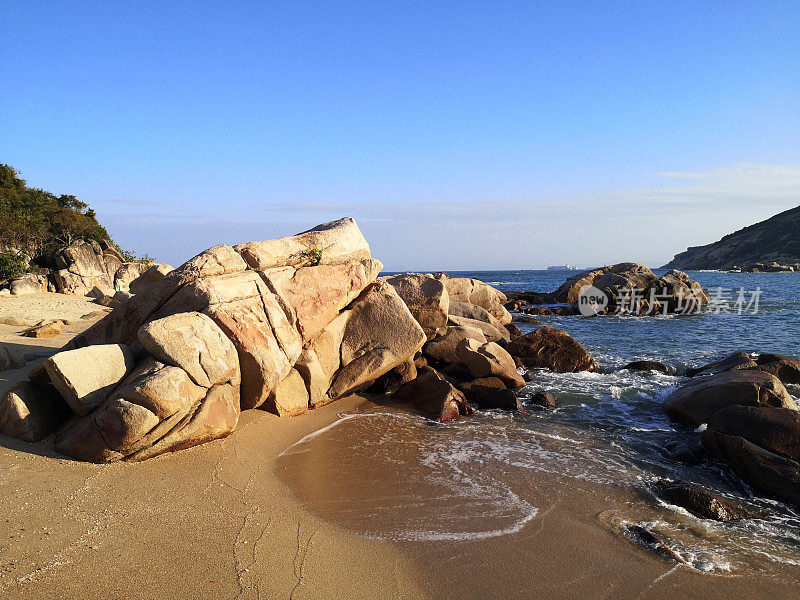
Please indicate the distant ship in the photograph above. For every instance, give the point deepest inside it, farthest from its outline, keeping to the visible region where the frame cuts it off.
(561, 268)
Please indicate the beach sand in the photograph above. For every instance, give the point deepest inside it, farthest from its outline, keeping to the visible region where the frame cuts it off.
(279, 511)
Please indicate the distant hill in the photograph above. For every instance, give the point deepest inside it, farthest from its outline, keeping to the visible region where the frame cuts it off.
(775, 240)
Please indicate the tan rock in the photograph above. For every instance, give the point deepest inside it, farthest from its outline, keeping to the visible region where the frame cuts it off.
(84, 377)
(252, 317)
(157, 409)
(315, 295)
(426, 298)
(193, 342)
(48, 329)
(492, 333)
(11, 357)
(490, 360)
(290, 397)
(150, 275)
(380, 334)
(475, 291)
(331, 243)
(321, 359)
(699, 399)
(123, 323)
(30, 412)
(445, 348)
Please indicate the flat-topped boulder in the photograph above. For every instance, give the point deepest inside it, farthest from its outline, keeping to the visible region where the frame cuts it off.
(328, 244)
(85, 376)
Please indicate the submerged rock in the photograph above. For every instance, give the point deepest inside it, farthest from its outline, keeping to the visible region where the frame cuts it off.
(655, 542)
(734, 362)
(702, 502)
(542, 398)
(646, 365)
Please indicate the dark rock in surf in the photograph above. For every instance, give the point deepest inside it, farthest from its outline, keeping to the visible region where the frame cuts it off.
(734, 362)
(702, 502)
(543, 398)
(646, 365)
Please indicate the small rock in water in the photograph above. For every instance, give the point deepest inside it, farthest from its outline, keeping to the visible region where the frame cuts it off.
(646, 365)
(654, 541)
(543, 399)
(702, 502)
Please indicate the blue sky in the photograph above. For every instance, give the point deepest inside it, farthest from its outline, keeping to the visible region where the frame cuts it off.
(460, 135)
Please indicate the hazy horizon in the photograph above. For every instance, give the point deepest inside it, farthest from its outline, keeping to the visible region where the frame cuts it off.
(460, 136)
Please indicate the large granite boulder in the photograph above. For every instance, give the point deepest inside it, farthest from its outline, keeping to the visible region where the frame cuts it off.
(475, 291)
(85, 376)
(774, 429)
(30, 283)
(434, 397)
(152, 274)
(551, 348)
(291, 396)
(157, 409)
(30, 411)
(253, 318)
(193, 342)
(321, 358)
(85, 265)
(698, 400)
(445, 348)
(315, 295)
(767, 471)
(380, 334)
(489, 360)
(427, 299)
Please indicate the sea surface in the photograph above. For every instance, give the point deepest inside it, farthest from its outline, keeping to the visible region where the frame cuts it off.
(609, 432)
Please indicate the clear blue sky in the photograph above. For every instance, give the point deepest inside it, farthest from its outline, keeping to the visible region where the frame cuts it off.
(459, 134)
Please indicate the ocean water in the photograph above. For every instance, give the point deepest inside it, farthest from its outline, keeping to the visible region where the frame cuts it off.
(608, 432)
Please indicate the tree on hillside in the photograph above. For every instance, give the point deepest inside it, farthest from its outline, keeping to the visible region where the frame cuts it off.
(34, 221)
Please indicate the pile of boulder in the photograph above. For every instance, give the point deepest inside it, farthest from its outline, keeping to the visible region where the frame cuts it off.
(747, 417)
(86, 267)
(631, 288)
(286, 325)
